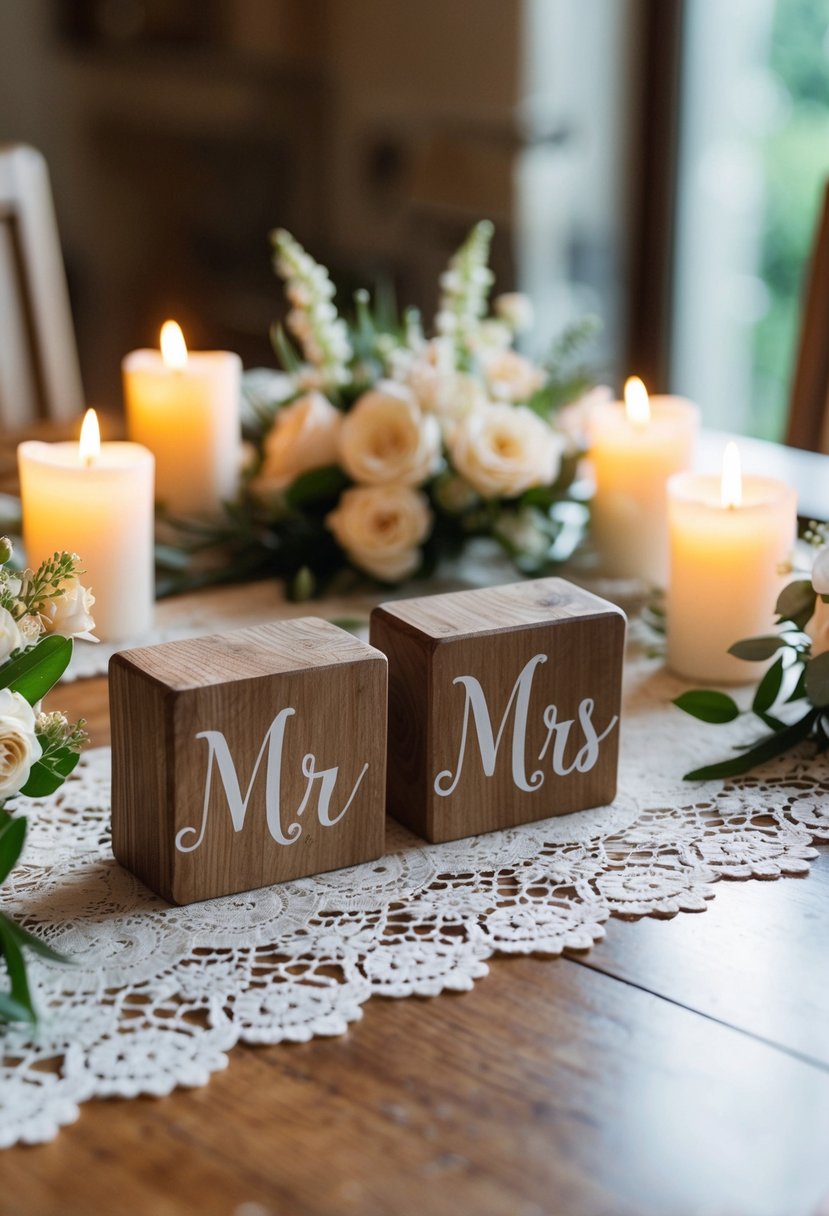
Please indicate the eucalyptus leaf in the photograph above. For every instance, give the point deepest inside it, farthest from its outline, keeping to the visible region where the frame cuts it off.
(796, 602)
(766, 749)
(817, 680)
(12, 835)
(708, 705)
(755, 650)
(37, 670)
(768, 689)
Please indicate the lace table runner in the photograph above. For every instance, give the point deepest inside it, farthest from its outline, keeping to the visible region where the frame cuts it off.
(158, 995)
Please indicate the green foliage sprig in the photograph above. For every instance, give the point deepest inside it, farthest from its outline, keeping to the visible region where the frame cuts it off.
(792, 698)
(31, 602)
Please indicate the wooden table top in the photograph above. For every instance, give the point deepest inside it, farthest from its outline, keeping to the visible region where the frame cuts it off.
(680, 1068)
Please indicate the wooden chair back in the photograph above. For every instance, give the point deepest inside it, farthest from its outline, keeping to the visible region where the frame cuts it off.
(808, 425)
(39, 372)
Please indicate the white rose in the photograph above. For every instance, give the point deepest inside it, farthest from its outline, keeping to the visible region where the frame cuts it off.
(19, 746)
(818, 626)
(820, 571)
(68, 614)
(516, 310)
(380, 528)
(512, 377)
(504, 450)
(304, 436)
(10, 636)
(386, 438)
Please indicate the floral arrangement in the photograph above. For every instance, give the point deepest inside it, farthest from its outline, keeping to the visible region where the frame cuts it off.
(41, 611)
(379, 450)
(792, 698)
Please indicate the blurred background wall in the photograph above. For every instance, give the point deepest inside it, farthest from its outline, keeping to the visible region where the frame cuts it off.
(653, 161)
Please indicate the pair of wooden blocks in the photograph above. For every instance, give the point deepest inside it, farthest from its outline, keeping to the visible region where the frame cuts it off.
(249, 758)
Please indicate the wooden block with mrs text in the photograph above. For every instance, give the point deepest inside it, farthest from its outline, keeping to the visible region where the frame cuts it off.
(247, 758)
(504, 705)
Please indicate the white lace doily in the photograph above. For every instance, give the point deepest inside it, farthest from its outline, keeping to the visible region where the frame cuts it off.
(158, 995)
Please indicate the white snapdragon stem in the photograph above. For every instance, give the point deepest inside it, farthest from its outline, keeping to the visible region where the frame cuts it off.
(465, 288)
(313, 319)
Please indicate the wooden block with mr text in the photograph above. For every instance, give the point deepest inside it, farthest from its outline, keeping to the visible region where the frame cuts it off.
(504, 705)
(247, 758)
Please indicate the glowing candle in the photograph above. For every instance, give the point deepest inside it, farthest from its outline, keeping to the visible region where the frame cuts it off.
(184, 406)
(95, 499)
(729, 537)
(635, 446)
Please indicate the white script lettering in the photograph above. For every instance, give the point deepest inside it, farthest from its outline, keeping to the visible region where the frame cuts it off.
(489, 743)
(219, 757)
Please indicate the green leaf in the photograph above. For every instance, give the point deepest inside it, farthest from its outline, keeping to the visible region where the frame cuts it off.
(12, 835)
(284, 350)
(708, 705)
(35, 671)
(16, 965)
(769, 687)
(49, 773)
(796, 602)
(12, 1011)
(316, 485)
(766, 749)
(28, 941)
(755, 650)
(817, 680)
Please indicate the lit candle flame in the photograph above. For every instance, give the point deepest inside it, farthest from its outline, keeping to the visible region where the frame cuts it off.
(89, 447)
(173, 346)
(637, 405)
(731, 486)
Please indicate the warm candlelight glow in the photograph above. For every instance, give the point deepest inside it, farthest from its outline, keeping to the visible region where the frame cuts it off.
(731, 485)
(637, 405)
(89, 447)
(173, 346)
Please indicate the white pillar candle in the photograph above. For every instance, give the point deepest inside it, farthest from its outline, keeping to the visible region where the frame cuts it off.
(185, 407)
(729, 538)
(95, 500)
(635, 446)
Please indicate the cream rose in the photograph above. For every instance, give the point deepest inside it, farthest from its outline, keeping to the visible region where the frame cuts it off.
(503, 450)
(68, 614)
(512, 377)
(386, 438)
(19, 746)
(11, 638)
(304, 436)
(818, 626)
(380, 528)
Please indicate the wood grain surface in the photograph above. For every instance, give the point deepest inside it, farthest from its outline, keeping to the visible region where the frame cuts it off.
(504, 705)
(247, 758)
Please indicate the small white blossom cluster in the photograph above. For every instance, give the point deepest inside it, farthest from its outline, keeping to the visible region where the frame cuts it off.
(452, 430)
(33, 604)
(313, 318)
